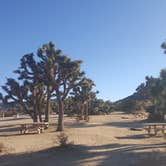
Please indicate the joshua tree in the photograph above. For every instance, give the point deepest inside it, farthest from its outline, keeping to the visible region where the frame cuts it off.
(48, 65)
(61, 76)
(30, 72)
(19, 94)
(155, 89)
(83, 94)
(68, 76)
(41, 79)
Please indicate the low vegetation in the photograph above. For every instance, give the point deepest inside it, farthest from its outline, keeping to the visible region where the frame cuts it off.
(63, 141)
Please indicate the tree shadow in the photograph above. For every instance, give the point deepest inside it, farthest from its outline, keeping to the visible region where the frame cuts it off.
(138, 136)
(6, 126)
(77, 155)
(81, 124)
(9, 130)
(127, 124)
(14, 119)
(123, 124)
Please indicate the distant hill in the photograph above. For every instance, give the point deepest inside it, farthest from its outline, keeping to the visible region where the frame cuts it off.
(133, 103)
(135, 96)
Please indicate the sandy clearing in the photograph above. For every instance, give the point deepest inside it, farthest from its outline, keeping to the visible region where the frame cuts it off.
(104, 140)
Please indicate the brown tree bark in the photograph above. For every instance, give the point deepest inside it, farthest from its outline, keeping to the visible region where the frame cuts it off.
(60, 126)
(47, 109)
(40, 113)
(82, 111)
(35, 118)
(86, 112)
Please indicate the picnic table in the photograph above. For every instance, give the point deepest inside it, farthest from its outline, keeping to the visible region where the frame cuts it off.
(154, 128)
(39, 127)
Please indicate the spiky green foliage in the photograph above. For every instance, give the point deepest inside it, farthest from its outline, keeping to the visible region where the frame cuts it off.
(18, 94)
(61, 76)
(30, 72)
(49, 75)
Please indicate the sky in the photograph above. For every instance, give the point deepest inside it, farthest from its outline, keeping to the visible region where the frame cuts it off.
(118, 40)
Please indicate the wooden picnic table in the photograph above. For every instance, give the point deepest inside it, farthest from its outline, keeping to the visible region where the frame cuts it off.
(35, 126)
(154, 128)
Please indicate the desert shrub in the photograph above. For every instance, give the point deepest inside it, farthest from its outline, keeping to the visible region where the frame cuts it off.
(155, 115)
(63, 140)
(77, 119)
(87, 119)
(141, 114)
(8, 113)
(2, 147)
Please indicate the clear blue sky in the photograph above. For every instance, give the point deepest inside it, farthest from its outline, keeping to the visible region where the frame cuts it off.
(118, 40)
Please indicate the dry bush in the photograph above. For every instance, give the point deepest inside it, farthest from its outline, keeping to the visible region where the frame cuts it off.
(87, 119)
(80, 118)
(63, 141)
(2, 148)
(141, 114)
(164, 136)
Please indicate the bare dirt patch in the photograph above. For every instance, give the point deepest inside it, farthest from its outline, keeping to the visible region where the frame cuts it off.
(105, 140)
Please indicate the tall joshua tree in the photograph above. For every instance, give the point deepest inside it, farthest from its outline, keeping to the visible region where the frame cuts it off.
(61, 76)
(67, 78)
(48, 65)
(41, 78)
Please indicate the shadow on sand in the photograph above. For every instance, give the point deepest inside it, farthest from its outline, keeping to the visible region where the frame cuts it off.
(127, 124)
(77, 155)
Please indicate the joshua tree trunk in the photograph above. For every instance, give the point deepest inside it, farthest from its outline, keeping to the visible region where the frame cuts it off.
(82, 111)
(47, 110)
(86, 111)
(35, 110)
(60, 126)
(39, 109)
(3, 114)
(35, 118)
(40, 114)
(40, 117)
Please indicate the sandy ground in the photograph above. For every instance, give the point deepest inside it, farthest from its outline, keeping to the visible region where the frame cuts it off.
(105, 140)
